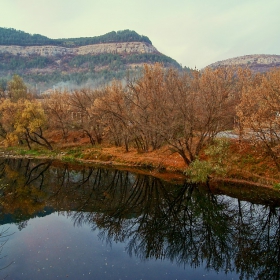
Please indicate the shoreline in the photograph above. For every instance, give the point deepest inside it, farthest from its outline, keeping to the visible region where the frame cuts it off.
(156, 168)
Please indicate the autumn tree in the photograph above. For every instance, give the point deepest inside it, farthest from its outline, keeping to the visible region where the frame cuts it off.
(206, 106)
(259, 114)
(114, 109)
(184, 110)
(24, 120)
(148, 97)
(9, 112)
(58, 112)
(21, 117)
(83, 117)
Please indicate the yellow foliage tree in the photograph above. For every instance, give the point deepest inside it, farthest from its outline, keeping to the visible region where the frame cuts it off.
(24, 120)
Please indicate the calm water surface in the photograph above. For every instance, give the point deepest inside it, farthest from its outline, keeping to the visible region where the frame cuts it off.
(61, 222)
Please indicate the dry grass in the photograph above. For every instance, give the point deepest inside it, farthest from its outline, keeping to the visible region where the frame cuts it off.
(161, 159)
(249, 163)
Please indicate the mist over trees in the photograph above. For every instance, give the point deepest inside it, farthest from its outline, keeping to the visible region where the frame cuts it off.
(76, 70)
(184, 111)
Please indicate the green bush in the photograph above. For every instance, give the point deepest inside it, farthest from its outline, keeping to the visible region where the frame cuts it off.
(199, 171)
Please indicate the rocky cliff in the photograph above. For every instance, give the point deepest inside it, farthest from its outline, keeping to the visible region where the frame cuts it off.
(51, 51)
(256, 62)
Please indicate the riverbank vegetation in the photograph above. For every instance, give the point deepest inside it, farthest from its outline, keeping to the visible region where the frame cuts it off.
(165, 119)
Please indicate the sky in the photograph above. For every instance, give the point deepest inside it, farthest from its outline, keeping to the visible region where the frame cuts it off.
(195, 33)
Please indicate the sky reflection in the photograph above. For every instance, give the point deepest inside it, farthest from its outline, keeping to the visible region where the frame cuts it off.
(51, 247)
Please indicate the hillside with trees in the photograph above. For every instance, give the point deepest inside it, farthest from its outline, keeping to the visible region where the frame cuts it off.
(46, 63)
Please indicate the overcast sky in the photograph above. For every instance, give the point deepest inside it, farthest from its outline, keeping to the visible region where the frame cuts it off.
(196, 33)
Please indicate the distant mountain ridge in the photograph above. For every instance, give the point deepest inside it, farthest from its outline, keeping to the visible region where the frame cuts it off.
(255, 62)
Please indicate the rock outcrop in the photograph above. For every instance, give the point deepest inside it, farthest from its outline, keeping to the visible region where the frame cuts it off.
(51, 51)
(256, 62)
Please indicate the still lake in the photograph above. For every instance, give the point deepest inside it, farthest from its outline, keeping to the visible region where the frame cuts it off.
(59, 221)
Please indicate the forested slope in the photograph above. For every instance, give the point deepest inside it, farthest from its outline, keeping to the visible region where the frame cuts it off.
(45, 63)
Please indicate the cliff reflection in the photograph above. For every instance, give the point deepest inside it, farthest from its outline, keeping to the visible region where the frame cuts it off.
(183, 223)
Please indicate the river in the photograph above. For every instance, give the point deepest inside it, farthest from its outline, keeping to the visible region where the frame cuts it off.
(84, 222)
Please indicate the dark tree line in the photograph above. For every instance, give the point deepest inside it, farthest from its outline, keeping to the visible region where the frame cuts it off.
(10, 36)
(18, 63)
(111, 59)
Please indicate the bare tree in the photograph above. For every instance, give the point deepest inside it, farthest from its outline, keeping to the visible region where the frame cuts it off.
(83, 117)
(184, 110)
(114, 110)
(259, 114)
(58, 112)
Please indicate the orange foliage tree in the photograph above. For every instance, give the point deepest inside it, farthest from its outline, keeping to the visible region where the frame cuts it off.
(114, 110)
(83, 118)
(186, 111)
(58, 111)
(259, 114)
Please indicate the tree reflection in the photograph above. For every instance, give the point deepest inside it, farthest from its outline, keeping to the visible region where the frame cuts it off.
(21, 188)
(194, 230)
(4, 235)
(185, 224)
(258, 246)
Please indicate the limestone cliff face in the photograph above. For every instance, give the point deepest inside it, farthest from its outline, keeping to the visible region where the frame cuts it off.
(256, 62)
(50, 51)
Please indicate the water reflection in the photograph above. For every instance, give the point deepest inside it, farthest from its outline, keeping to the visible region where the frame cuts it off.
(4, 263)
(184, 224)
